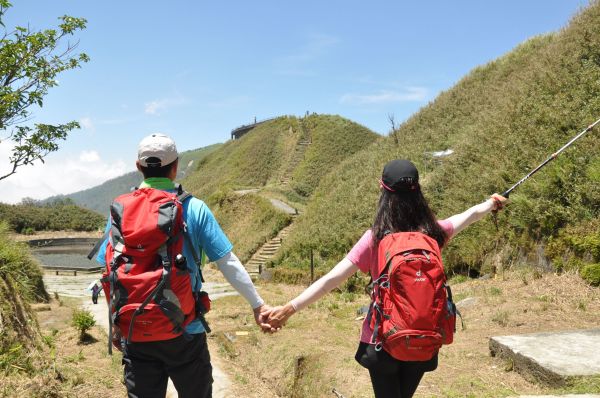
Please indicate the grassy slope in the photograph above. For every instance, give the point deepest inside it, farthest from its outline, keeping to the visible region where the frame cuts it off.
(249, 220)
(501, 120)
(333, 140)
(20, 284)
(251, 161)
(261, 159)
(98, 198)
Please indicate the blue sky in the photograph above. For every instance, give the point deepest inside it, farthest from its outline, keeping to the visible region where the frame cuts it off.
(195, 70)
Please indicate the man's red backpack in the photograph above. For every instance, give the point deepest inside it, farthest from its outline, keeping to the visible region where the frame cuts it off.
(411, 313)
(146, 281)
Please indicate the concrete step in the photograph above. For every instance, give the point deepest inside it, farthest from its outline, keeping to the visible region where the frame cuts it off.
(272, 246)
(560, 396)
(264, 258)
(552, 358)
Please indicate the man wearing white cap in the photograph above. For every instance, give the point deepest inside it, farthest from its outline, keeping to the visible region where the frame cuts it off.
(148, 365)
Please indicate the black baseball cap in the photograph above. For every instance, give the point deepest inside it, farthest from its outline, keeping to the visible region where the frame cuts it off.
(400, 175)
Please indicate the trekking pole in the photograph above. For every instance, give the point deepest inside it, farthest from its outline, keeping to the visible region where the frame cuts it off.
(552, 157)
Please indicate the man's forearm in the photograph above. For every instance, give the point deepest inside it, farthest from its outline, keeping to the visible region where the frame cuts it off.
(238, 277)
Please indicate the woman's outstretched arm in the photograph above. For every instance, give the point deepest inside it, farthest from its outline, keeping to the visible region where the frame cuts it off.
(476, 213)
(338, 274)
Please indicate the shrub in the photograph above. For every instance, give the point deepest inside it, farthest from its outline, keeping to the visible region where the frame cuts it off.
(83, 320)
(591, 274)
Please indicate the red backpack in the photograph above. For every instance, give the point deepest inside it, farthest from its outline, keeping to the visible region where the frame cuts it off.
(412, 313)
(146, 281)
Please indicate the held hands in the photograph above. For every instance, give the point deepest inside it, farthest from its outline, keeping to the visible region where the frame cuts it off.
(272, 319)
(279, 315)
(261, 315)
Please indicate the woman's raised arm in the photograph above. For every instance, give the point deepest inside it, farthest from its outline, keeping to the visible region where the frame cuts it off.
(476, 213)
(338, 274)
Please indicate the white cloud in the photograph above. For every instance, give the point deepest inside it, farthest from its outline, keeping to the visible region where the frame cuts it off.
(87, 123)
(156, 107)
(89, 156)
(62, 173)
(410, 94)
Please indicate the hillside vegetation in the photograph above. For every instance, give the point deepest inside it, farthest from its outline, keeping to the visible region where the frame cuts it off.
(333, 139)
(265, 157)
(501, 120)
(61, 214)
(20, 284)
(99, 198)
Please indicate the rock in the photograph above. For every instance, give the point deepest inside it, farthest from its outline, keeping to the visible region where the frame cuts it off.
(560, 396)
(551, 358)
(362, 310)
(466, 303)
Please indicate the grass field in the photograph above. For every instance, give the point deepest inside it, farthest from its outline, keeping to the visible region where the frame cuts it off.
(314, 353)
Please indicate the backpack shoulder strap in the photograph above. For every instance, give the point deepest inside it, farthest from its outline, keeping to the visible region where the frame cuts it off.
(198, 259)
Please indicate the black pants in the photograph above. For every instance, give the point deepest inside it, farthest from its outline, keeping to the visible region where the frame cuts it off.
(390, 377)
(187, 362)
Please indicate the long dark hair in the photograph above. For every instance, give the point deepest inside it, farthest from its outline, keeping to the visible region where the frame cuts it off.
(406, 211)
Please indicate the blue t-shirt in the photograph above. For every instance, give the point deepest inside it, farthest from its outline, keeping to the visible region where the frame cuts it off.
(203, 230)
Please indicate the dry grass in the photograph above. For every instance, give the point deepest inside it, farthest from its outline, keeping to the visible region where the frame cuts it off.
(68, 368)
(325, 336)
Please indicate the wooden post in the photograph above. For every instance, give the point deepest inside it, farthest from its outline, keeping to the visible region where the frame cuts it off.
(312, 267)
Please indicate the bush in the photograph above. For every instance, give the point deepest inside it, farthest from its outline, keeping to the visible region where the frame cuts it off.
(83, 320)
(591, 274)
(30, 216)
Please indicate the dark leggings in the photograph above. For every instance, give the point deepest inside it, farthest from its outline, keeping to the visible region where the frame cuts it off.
(390, 377)
(400, 384)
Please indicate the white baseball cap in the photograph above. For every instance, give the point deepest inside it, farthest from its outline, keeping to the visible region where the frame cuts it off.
(157, 150)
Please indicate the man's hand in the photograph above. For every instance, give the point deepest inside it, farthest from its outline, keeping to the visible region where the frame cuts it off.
(279, 315)
(261, 314)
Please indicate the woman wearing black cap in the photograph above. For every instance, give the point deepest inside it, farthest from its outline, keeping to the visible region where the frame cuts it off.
(402, 208)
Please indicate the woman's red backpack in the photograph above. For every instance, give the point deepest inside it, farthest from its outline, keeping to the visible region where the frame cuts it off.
(146, 281)
(412, 313)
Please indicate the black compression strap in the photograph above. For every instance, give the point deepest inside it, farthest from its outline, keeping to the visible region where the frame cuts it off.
(98, 245)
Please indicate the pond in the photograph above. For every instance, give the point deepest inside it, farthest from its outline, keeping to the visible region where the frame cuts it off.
(60, 256)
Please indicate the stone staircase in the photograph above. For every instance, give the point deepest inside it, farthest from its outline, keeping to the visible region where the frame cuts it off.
(256, 264)
(297, 157)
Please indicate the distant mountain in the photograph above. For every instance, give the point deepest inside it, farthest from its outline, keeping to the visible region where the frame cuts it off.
(99, 197)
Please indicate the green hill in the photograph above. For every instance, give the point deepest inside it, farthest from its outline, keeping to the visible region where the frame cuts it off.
(501, 120)
(99, 198)
(269, 153)
(61, 214)
(286, 156)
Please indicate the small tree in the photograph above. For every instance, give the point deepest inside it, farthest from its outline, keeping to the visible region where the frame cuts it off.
(394, 129)
(29, 64)
(83, 320)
